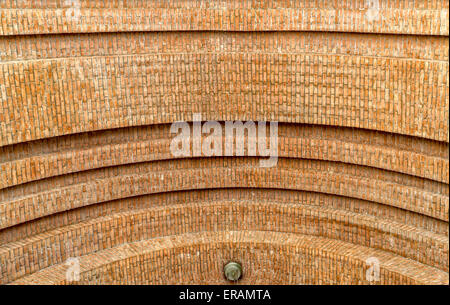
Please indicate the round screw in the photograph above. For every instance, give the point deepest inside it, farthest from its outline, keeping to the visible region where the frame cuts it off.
(233, 271)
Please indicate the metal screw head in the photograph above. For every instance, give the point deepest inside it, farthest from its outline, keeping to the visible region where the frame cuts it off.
(233, 271)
